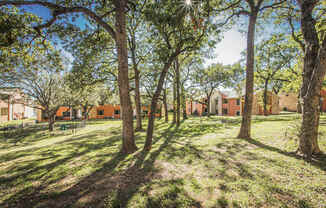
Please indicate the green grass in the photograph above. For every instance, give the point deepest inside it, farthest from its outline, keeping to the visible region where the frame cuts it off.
(199, 164)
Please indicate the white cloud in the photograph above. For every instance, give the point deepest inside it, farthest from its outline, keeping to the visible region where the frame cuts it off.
(228, 50)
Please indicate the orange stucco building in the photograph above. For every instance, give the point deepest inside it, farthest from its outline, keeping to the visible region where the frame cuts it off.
(105, 111)
(97, 112)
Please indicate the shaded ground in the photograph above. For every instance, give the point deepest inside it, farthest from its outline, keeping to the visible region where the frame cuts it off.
(199, 164)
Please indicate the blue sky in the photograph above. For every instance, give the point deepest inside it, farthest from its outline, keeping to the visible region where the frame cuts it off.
(227, 51)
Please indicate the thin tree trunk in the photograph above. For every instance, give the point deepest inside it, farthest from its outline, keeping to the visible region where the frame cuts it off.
(165, 106)
(85, 111)
(139, 126)
(265, 98)
(184, 105)
(314, 69)
(128, 141)
(174, 120)
(208, 106)
(150, 127)
(137, 85)
(177, 72)
(246, 117)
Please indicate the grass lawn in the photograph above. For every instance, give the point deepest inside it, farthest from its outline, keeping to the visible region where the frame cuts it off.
(199, 164)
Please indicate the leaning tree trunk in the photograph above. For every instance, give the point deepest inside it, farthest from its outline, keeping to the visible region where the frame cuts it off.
(150, 127)
(314, 69)
(177, 72)
(128, 142)
(246, 117)
(265, 98)
(174, 120)
(165, 106)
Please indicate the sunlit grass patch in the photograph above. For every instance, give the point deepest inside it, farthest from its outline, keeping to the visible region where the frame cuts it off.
(201, 163)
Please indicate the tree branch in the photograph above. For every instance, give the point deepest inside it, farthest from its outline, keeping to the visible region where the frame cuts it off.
(59, 10)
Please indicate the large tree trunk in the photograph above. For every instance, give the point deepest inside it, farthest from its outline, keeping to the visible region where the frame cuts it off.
(165, 106)
(314, 69)
(265, 98)
(177, 73)
(150, 127)
(51, 122)
(174, 120)
(246, 117)
(128, 142)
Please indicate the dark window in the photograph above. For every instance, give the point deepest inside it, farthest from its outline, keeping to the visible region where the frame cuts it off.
(66, 114)
(238, 101)
(117, 112)
(100, 112)
(225, 111)
(238, 113)
(206, 110)
(225, 101)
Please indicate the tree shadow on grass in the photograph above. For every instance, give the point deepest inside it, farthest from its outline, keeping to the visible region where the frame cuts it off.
(319, 162)
(95, 189)
(49, 167)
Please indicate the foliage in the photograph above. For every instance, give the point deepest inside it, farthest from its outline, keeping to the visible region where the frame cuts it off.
(42, 82)
(19, 43)
(275, 62)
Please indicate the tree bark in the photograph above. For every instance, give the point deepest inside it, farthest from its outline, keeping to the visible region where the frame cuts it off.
(137, 85)
(51, 122)
(208, 106)
(128, 141)
(184, 105)
(139, 126)
(246, 117)
(165, 106)
(265, 98)
(174, 120)
(314, 69)
(177, 73)
(150, 127)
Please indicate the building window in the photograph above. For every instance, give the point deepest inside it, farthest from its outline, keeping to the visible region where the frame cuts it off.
(100, 112)
(4, 111)
(225, 101)
(117, 112)
(238, 113)
(238, 101)
(66, 114)
(225, 111)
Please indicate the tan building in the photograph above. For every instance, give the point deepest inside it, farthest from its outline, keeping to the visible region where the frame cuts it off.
(272, 104)
(288, 101)
(13, 106)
